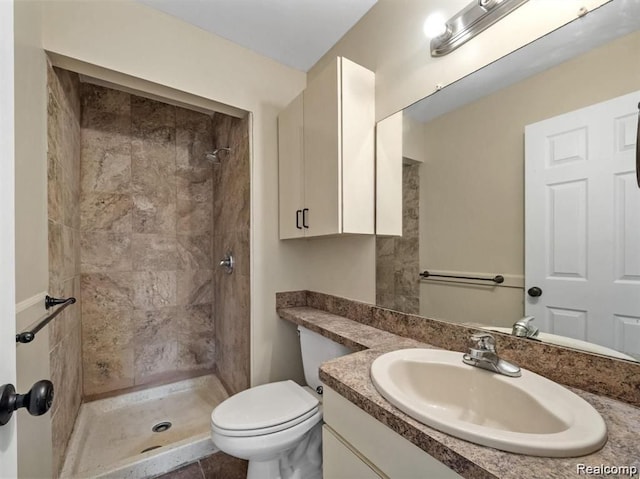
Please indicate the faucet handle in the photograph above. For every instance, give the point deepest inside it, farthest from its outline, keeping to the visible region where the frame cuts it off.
(523, 328)
(526, 320)
(484, 342)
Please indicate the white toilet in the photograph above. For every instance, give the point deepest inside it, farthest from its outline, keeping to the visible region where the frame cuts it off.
(277, 426)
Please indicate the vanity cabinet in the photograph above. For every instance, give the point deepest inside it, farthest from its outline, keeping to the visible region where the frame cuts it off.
(357, 446)
(326, 155)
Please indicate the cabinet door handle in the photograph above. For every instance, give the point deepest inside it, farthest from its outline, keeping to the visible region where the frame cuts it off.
(304, 218)
(298, 219)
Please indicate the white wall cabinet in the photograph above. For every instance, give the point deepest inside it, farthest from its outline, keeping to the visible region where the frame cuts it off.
(326, 155)
(362, 444)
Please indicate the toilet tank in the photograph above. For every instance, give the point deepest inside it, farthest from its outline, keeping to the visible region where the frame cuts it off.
(316, 349)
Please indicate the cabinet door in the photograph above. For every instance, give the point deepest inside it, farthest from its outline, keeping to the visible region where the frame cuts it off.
(291, 169)
(340, 462)
(322, 152)
(357, 132)
(389, 453)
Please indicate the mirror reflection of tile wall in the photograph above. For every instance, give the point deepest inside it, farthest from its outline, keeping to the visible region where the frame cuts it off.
(397, 258)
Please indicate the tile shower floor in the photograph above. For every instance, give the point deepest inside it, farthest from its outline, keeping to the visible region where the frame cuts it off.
(111, 434)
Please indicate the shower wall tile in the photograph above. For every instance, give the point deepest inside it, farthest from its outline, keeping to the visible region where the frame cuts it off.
(105, 372)
(194, 287)
(154, 289)
(107, 147)
(106, 140)
(65, 371)
(106, 212)
(70, 252)
(54, 192)
(195, 185)
(102, 252)
(196, 321)
(232, 308)
(193, 218)
(194, 138)
(194, 252)
(102, 291)
(99, 101)
(147, 223)
(56, 257)
(157, 326)
(153, 167)
(154, 212)
(70, 319)
(198, 353)
(107, 330)
(153, 120)
(154, 252)
(152, 360)
(63, 187)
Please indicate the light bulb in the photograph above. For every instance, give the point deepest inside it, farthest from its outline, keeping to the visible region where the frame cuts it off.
(435, 25)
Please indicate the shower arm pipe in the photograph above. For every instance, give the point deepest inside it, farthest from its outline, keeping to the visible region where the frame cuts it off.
(30, 334)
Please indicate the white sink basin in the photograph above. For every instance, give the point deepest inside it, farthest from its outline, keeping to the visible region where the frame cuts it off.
(527, 415)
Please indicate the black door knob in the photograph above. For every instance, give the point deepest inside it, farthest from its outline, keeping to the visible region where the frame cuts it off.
(37, 401)
(534, 292)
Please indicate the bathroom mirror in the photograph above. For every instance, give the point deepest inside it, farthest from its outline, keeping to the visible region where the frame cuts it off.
(464, 190)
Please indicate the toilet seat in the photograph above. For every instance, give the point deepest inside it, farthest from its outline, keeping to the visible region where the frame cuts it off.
(264, 410)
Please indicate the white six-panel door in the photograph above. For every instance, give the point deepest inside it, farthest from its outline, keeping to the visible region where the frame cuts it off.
(582, 222)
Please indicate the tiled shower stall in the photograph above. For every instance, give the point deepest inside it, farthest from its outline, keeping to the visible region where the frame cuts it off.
(139, 219)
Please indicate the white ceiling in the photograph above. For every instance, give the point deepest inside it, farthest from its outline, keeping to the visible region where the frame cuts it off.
(293, 32)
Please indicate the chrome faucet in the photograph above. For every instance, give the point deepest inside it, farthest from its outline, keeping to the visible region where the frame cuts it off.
(484, 355)
(523, 329)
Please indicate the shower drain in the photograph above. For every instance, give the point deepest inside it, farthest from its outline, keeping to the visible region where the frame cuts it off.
(161, 426)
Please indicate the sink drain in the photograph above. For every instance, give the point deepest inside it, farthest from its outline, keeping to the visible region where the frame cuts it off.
(161, 427)
(149, 449)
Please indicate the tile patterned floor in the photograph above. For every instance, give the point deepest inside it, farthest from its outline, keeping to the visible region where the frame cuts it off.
(216, 466)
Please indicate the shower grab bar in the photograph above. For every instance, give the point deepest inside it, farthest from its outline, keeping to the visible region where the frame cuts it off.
(498, 279)
(49, 302)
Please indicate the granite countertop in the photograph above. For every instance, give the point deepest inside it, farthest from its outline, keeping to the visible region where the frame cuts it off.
(349, 376)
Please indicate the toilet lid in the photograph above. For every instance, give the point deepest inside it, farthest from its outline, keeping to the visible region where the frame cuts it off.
(263, 407)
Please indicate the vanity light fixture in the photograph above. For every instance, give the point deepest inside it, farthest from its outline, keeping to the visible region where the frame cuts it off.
(468, 22)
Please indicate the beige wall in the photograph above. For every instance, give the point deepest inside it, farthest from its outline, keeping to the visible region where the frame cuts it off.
(32, 273)
(472, 190)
